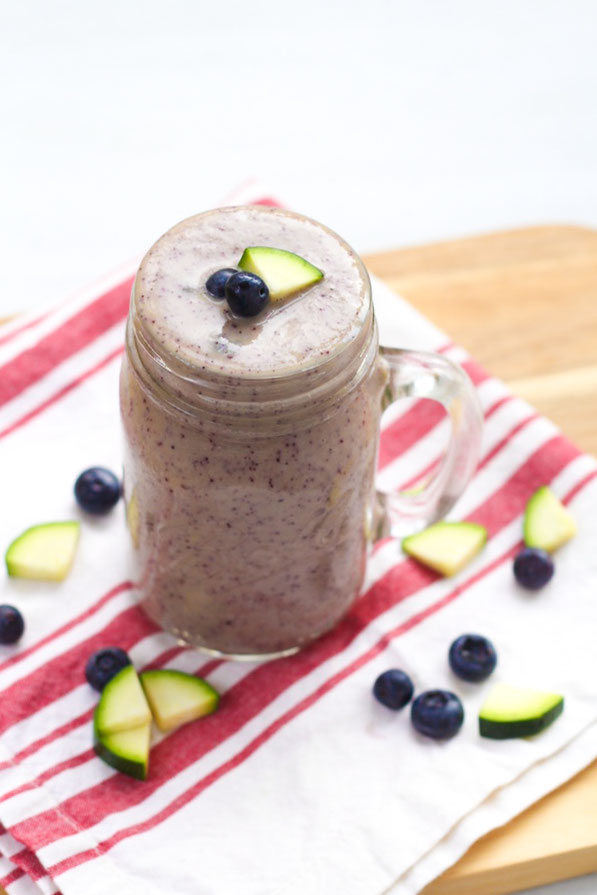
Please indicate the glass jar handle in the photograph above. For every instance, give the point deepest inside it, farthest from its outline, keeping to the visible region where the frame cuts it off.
(423, 374)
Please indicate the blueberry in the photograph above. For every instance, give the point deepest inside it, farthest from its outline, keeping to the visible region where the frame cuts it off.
(533, 568)
(393, 688)
(11, 624)
(216, 283)
(437, 714)
(246, 294)
(97, 490)
(104, 664)
(472, 657)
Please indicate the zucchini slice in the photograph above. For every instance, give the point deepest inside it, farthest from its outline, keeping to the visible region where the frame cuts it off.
(518, 712)
(176, 698)
(547, 523)
(43, 552)
(446, 547)
(283, 272)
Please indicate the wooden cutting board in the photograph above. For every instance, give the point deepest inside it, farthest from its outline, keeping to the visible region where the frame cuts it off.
(524, 303)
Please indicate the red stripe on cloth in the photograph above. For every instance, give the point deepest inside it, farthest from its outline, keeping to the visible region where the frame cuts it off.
(71, 336)
(113, 592)
(63, 673)
(72, 762)
(260, 687)
(8, 337)
(510, 499)
(267, 200)
(27, 863)
(499, 403)
(425, 473)
(514, 431)
(476, 372)
(209, 667)
(404, 433)
(61, 393)
(49, 737)
(289, 715)
(410, 483)
(164, 657)
(418, 421)
(583, 482)
(15, 874)
(421, 477)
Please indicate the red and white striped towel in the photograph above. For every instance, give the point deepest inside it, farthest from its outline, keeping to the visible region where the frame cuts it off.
(300, 783)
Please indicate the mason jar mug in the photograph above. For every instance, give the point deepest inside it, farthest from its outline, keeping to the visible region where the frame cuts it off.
(250, 490)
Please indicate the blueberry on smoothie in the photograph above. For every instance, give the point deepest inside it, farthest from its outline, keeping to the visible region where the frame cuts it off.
(97, 490)
(11, 624)
(216, 283)
(393, 688)
(437, 714)
(246, 294)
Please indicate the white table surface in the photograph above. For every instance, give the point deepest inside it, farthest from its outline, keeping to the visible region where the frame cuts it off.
(394, 121)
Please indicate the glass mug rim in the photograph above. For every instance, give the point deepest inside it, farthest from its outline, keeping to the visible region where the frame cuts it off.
(290, 398)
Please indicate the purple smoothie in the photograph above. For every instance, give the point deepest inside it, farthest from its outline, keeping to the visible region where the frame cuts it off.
(250, 444)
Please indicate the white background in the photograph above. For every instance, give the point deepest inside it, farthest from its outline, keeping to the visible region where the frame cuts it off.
(393, 121)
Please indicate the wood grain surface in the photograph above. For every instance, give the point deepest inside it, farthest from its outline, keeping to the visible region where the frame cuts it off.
(524, 304)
